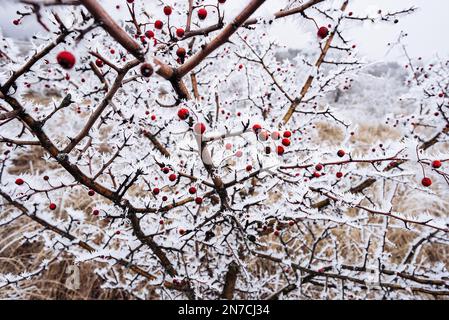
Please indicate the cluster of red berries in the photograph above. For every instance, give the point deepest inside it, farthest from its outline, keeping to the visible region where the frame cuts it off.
(318, 168)
(159, 24)
(20, 181)
(426, 181)
(180, 32)
(264, 136)
(198, 200)
(67, 60)
(341, 153)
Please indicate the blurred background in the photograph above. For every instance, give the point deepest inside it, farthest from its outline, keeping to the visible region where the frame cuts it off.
(427, 28)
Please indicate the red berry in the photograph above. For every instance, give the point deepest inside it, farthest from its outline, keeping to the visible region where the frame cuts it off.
(172, 177)
(199, 128)
(198, 200)
(228, 146)
(180, 32)
(280, 150)
(165, 170)
(275, 135)
(66, 59)
(117, 232)
(181, 53)
(19, 181)
(164, 198)
(323, 32)
(130, 1)
(239, 153)
(436, 164)
(339, 175)
(287, 134)
(99, 63)
(221, 1)
(158, 24)
(91, 193)
(161, 222)
(167, 10)
(202, 14)
(52, 206)
(16, 22)
(192, 190)
(286, 142)
(183, 113)
(181, 232)
(146, 70)
(149, 34)
(319, 167)
(156, 191)
(341, 153)
(276, 233)
(249, 168)
(291, 223)
(257, 128)
(316, 174)
(263, 136)
(426, 182)
(96, 212)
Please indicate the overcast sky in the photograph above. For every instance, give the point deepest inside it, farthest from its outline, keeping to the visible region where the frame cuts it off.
(427, 28)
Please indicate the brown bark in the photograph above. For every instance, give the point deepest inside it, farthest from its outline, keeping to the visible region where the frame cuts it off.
(230, 280)
(311, 77)
(100, 14)
(220, 39)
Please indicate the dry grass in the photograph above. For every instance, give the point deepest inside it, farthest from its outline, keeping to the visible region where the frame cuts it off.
(17, 254)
